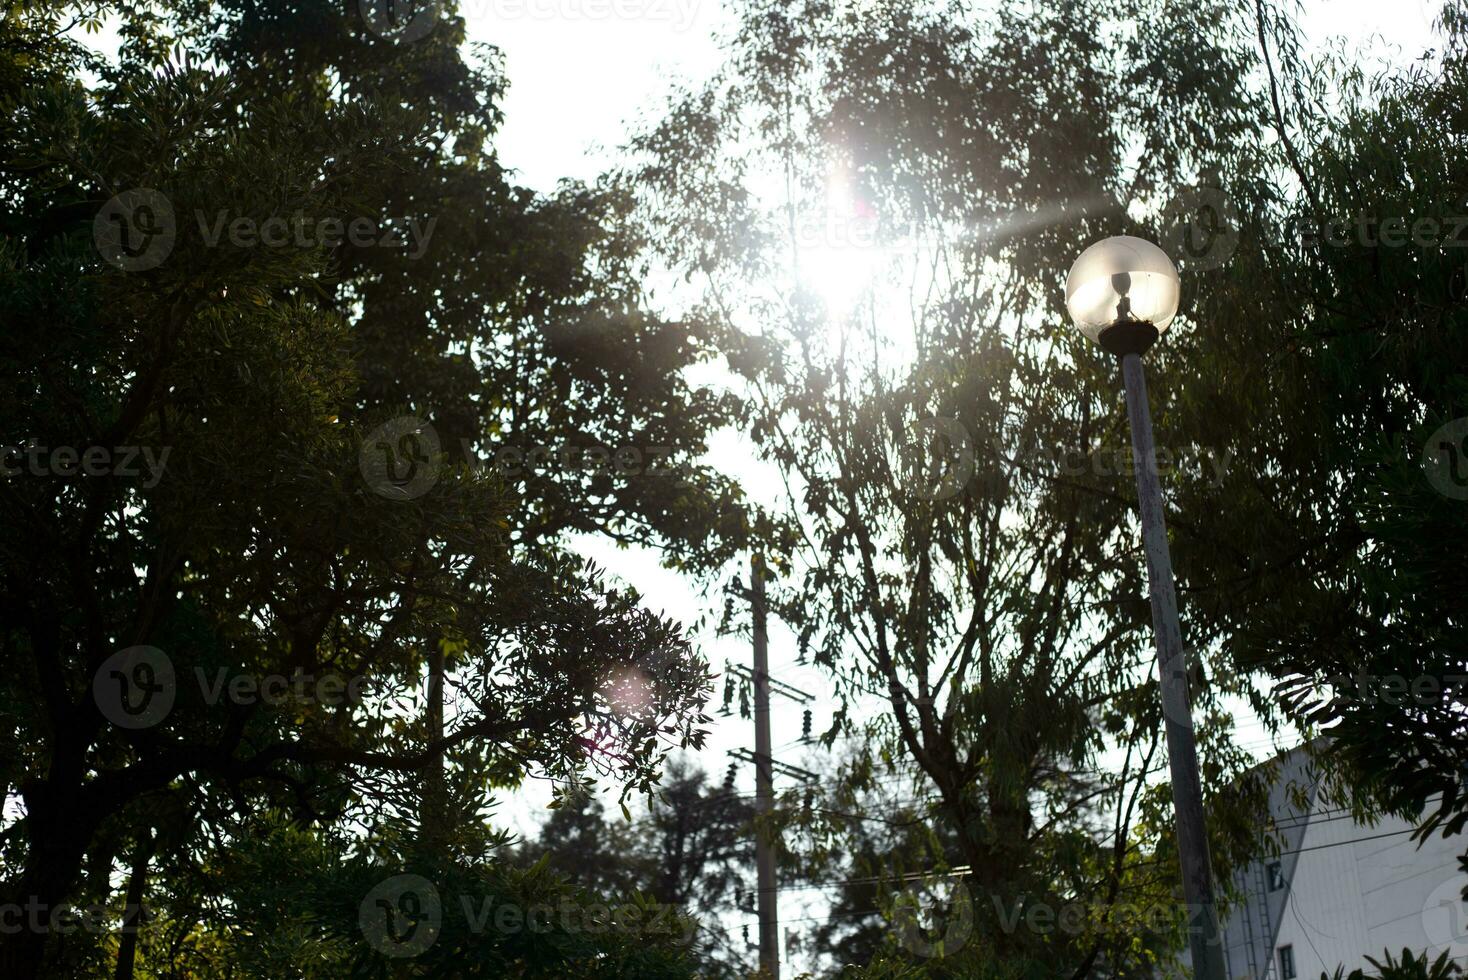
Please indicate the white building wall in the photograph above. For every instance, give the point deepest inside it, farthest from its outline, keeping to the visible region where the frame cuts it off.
(1350, 891)
(1360, 890)
(1323, 918)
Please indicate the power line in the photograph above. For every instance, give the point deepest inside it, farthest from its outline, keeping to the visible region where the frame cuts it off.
(1340, 813)
(964, 869)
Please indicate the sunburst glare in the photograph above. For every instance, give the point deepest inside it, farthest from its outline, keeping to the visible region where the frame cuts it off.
(838, 251)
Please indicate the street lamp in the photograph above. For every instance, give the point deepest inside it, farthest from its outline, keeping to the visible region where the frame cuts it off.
(1123, 293)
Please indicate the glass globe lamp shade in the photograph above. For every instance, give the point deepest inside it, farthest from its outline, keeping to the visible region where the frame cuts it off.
(1121, 280)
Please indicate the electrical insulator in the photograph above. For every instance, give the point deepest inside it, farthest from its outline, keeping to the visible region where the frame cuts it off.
(805, 727)
(729, 779)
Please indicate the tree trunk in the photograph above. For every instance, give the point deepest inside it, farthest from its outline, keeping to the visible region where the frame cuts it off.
(433, 806)
(60, 824)
(132, 912)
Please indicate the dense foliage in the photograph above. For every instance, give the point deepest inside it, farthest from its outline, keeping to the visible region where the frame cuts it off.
(306, 406)
(899, 191)
(356, 610)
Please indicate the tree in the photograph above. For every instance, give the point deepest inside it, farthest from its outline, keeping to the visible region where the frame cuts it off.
(690, 850)
(1338, 330)
(300, 521)
(882, 203)
(1409, 967)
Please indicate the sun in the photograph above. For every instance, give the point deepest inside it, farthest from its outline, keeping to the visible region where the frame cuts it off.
(838, 252)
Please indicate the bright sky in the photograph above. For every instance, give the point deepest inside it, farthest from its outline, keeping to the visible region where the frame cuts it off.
(581, 70)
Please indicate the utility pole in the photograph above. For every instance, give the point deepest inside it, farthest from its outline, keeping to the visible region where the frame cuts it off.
(764, 782)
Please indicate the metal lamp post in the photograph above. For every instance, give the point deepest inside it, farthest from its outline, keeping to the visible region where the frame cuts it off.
(1123, 293)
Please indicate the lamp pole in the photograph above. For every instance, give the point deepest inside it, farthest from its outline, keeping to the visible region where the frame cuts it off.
(1123, 292)
(1204, 938)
